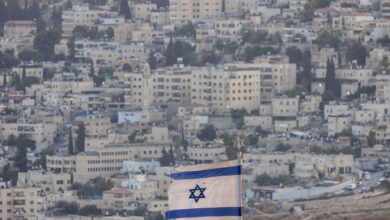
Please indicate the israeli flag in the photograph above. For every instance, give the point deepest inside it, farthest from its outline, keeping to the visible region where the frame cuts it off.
(206, 191)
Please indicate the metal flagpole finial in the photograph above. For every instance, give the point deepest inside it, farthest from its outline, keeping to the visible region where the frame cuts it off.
(239, 144)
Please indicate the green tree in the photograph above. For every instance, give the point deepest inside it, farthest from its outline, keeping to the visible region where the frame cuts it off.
(310, 6)
(11, 140)
(170, 57)
(168, 158)
(94, 186)
(44, 43)
(371, 139)
(238, 117)
(250, 52)
(229, 47)
(208, 133)
(22, 84)
(384, 41)
(22, 143)
(158, 216)
(230, 151)
(252, 139)
(68, 4)
(261, 131)
(48, 74)
(70, 143)
(328, 39)
(70, 208)
(161, 3)
(14, 11)
(306, 66)
(295, 55)
(80, 139)
(4, 79)
(8, 60)
(103, 74)
(332, 86)
(294, 92)
(8, 174)
(109, 32)
(126, 67)
(176, 49)
(42, 160)
(24, 73)
(71, 47)
(267, 180)
(124, 9)
(3, 16)
(56, 18)
(89, 210)
(34, 11)
(100, 185)
(30, 55)
(152, 61)
(80, 32)
(357, 52)
(187, 30)
(282, 147)
(41, 25)
(255, 37)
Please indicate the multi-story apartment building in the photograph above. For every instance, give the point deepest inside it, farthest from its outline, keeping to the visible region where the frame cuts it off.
(204, 152)
(338, 123)
(159, 17)
(111, 53)
(285, 106)
(100, 52)
(382, 87)
(385, 8)
(307, 165)
(39, 132)
(62, 84)
(81, 15)
(104, 162)
(224, 89)
(142, 10)
(134, 50)
(108, 161)
(47, 181)
(29, 70)
(359, 75)
(229, 29)
(95, 125)
(221, 88)
(239, 7)
(16, 29)
(275, 76)
(160, 86)
(182, 12)
(147, 33)
(335, 109)
(18, 44)
(65, 164)
(19, 203)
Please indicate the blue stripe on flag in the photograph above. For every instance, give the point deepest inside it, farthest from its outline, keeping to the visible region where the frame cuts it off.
(203, 212)
(224, 171)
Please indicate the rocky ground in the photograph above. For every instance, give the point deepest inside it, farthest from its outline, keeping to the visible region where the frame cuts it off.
(367, 206)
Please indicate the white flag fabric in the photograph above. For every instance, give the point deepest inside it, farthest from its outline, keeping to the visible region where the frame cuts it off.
(206, 191)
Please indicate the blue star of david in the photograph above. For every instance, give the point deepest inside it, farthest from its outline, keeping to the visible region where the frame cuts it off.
(197, 196)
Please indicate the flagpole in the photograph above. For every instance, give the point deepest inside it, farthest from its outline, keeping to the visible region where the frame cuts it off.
(239, 144)
(241, 185)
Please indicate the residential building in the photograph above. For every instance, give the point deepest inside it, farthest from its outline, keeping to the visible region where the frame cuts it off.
(20, 202)
(182, 12)
(16, 29)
